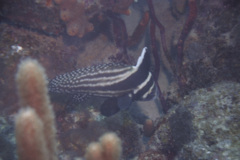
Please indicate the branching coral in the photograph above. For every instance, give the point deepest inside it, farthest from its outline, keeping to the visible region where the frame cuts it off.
(30, 137)
(35, 128)
(108, 148)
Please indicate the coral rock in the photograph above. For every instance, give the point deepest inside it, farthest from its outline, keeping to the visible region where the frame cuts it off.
(76, 16)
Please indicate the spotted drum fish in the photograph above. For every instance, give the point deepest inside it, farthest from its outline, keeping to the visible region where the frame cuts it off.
(109, 80)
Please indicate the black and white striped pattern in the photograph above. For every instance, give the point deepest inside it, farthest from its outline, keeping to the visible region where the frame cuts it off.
(108, 80)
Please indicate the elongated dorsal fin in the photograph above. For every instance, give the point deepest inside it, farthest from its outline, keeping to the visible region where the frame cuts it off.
(143, 62)
(141, 58)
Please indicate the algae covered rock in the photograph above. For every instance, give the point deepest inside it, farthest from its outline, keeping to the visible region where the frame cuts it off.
(205, 125)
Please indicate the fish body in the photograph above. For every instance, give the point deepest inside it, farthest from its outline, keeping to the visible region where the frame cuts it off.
(108, 80)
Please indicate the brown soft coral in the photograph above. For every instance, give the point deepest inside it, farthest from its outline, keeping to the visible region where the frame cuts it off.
(73, 12)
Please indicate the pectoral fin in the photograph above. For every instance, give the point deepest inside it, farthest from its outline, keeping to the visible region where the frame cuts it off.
(109, 107)
(124, 102)
(112, 105)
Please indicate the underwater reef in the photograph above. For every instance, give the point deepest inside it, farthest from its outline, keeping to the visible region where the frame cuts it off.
(194, 56)
(198, 127)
